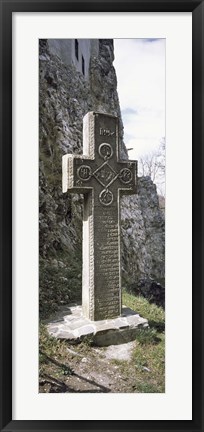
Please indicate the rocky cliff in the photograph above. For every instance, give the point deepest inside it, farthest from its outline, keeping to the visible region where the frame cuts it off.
(65, 97)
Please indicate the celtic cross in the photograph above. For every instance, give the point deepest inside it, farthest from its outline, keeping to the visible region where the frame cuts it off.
(102, 177)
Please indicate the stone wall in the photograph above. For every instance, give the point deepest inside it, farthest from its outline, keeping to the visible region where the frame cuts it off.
(65, 97)
(65, 50)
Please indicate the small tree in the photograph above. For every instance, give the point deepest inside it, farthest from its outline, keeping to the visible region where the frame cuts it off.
(153, 165)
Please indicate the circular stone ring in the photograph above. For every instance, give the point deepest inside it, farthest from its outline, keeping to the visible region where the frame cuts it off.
(125, 175)
(105, 150)
(106, 197)
(84, 172)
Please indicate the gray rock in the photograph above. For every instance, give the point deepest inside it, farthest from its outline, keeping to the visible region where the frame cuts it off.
(64, 95)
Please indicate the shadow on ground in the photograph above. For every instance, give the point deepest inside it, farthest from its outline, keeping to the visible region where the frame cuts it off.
(58, 386)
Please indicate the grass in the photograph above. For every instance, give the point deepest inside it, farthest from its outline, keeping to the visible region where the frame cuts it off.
(144, 373)
(53, 365)
(49, 347)
(153, 313)
(148, 358)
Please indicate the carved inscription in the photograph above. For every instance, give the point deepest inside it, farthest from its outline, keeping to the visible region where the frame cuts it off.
(125, 175)
(106, 132)
(101, 177)
(108, 265)
(84, 172)
(105, 175)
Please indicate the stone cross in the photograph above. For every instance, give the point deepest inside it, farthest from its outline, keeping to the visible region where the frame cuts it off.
(102, 178)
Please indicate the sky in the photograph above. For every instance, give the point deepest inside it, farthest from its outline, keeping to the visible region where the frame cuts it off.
(140, 69)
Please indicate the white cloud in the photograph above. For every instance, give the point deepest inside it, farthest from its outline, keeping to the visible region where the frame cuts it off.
(140, 69)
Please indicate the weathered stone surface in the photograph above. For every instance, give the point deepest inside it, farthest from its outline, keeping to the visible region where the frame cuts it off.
(64, 98)
(122, 352)
(102, 177)
(75, 327)
(143, 235)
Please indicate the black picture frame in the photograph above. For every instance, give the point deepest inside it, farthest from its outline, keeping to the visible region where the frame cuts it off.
(7, 8)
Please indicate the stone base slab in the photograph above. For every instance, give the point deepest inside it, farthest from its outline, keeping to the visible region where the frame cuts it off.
(71, 325)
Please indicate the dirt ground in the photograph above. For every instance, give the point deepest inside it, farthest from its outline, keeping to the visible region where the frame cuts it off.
(89, 370)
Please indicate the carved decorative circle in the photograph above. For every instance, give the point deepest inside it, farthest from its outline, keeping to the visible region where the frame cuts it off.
(106, 197)
(105, 151)
(125, 175)
(84, 172)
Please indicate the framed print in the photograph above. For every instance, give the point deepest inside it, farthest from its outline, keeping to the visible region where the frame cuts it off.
(48, 86)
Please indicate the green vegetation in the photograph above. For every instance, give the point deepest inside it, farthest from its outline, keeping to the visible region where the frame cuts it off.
(148, 357)
(144, 373)
(51, 357)
(59, 284)
(154, 314)
(49, 346)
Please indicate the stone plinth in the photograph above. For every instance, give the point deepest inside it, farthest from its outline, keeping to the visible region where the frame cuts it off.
(71, 325)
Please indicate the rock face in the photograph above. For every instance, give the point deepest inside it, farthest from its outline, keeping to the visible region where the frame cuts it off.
(65, 97)
(143, 244)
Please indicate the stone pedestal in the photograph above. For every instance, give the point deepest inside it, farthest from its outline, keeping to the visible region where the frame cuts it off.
(71, 325)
